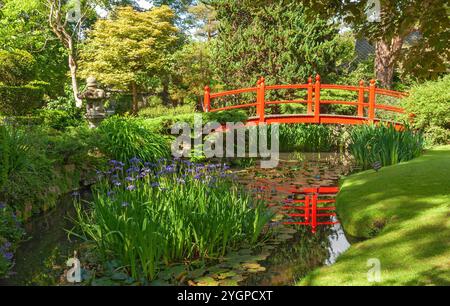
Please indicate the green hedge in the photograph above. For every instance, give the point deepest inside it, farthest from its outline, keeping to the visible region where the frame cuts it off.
(430, 103)
(20, 100)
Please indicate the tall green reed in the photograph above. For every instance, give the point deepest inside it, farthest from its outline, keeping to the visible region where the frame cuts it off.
(152, 215)
(306, 137)
(383, 143)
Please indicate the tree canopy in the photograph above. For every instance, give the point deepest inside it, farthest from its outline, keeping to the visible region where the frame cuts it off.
(130, 47)
(423, 56)
(273, 39)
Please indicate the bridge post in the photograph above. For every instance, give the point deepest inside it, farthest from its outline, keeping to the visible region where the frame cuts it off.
(317, 100)
(261, 101)
(310, 93)
(372, 100)
(207, 99)
(361, 99)
(314, 212)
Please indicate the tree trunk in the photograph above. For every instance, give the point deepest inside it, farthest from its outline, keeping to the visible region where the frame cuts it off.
(165, 97)
(386, 55)
(135, 106)
(57, 24)
(73, 74)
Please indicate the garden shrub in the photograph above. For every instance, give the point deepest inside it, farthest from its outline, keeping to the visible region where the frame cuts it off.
(430, 104)
(160, 110)
(306, 138)
(20, 100)
(61, 119)
(25, 171)
(163, 124)
(383, 143)
(32, 160)
(294, 108)
(122, 138)
(223, 117)
(17, 67)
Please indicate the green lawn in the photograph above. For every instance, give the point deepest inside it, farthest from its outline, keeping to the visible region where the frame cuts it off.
(404, 210)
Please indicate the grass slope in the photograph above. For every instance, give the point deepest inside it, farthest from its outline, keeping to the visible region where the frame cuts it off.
(405, 211)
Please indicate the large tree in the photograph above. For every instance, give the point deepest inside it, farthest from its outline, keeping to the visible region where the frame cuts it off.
(273, 39)
(427, 56)
(205, 21)
(23, 26)
(129, 47)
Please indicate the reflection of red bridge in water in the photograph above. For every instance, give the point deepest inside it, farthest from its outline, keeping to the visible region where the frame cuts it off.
(312, 212)
(313, 103)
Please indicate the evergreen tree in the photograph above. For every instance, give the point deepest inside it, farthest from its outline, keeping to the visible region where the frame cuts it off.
(274, 39)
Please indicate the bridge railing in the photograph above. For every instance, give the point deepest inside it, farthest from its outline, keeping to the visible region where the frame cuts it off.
(312, 99)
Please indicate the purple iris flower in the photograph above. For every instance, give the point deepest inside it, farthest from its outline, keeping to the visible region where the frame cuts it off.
(131, 187)
(125, 204)
(8, 256)
(135, 160)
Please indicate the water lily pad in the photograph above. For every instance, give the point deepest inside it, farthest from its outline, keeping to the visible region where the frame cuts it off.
(206, 281)
(251, 265)
(288, 230)
(260, 269)
(245, 251)
(196, 273)
(171, 272)
(228, 282)
(226, 275)
(285, 236)
(268, 247)
(238, 278)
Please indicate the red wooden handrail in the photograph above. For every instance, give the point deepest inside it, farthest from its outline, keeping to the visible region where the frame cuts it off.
(313, 101)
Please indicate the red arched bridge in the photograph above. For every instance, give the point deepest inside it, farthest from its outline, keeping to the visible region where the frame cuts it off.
(365, 103)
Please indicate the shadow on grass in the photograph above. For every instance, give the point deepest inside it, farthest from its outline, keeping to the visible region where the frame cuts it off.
(406, 209)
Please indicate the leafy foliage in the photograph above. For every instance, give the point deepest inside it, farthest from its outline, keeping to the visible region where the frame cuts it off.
(226, 116)
(32, 164)
(16, 67)
(274, 39)
(430, 104)
(20, 100)
(306, 138)
(125, 138)
(125, 51)
(10, 234)
(425, 57)
(159, 110)
(192, 67)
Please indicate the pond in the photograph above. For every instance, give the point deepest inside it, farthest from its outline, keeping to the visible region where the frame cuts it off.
(284, 258)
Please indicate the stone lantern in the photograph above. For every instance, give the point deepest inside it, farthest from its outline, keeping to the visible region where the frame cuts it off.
(94, 96)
